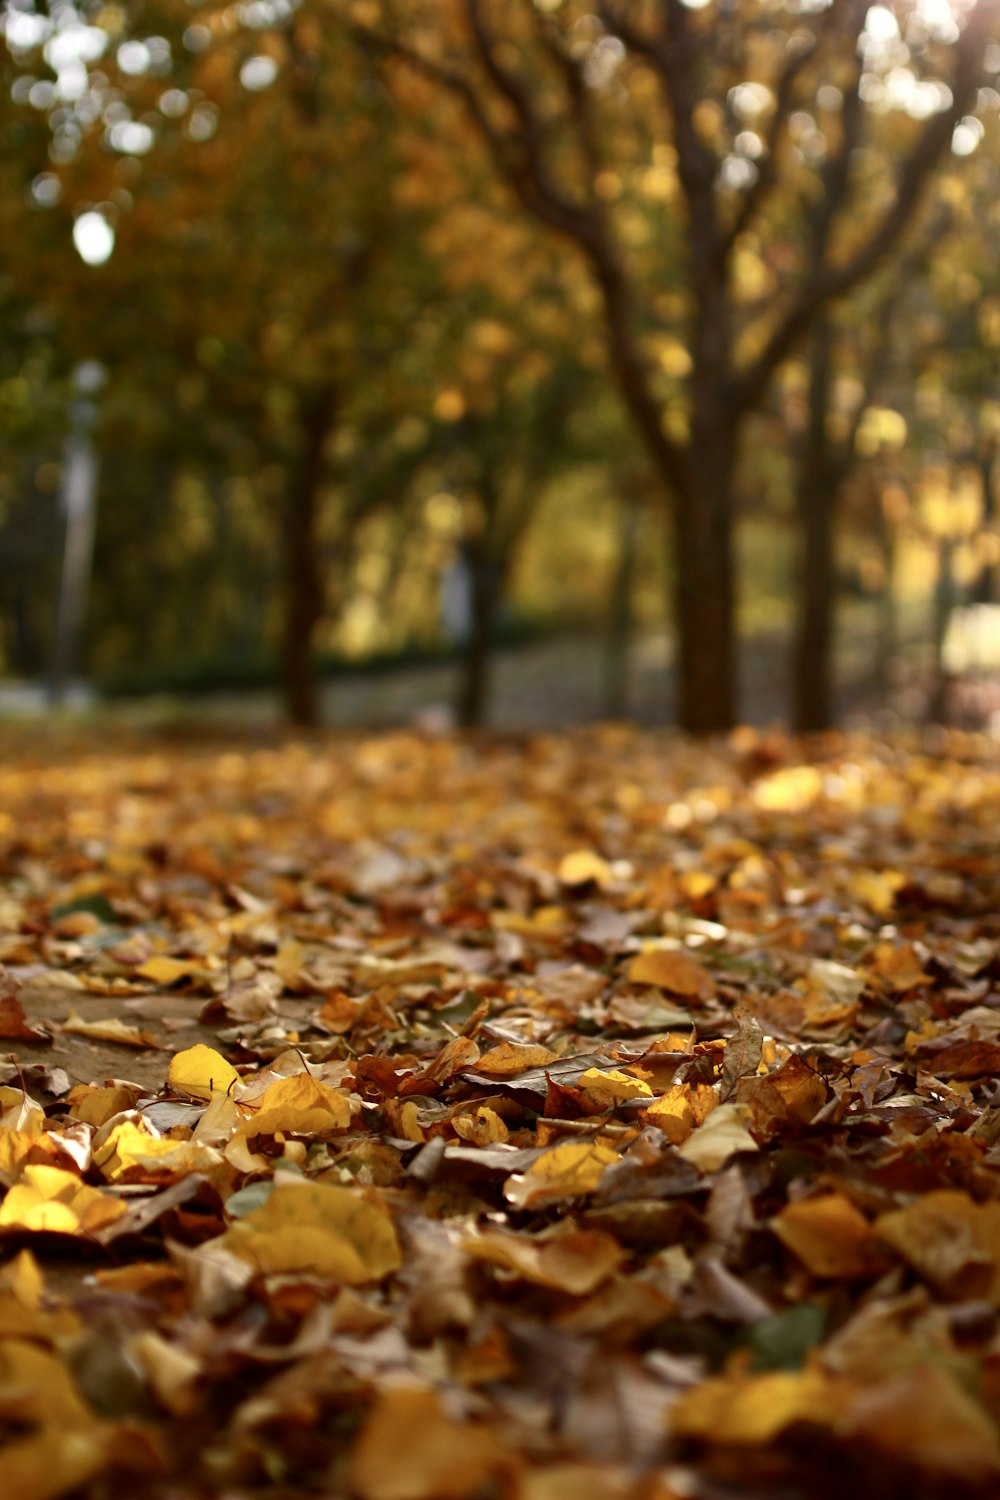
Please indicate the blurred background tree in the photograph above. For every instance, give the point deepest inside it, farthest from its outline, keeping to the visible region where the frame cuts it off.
(377, 380)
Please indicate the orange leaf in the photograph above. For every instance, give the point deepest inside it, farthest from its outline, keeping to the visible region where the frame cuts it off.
(828, 1234)
(410, 1449)
(671, 970)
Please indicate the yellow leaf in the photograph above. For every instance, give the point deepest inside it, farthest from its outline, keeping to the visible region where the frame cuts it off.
(720, 1137)
(57, 1202)
(95, 1106)
(23, 1276)
(130, 1149)
(170, 1370)
(110, 1030)
(163, 970)
(583, 865)
(680, 1109)
(299, 1105)
(15, 1151)
(53, 1462)
(828, 1234)
(484, 1128)
(320, 1228)
(567, 1171)
(410, 1449)
(66, 1445)
(36, 1389)
(200, 1072)
(574, 1260)
(545, 921)
(21, 1113)
(611, 1088)
(289, 961)
(673, 971)
(752, 1410)
(876, 888)
(508, 1059)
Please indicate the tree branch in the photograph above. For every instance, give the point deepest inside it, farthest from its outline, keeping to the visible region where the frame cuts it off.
(534, 183)
(579, 100)
(611, 18)
(696, 165)
(827, 283)
(767, 176)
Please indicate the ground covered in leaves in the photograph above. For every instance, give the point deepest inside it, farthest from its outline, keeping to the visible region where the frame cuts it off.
(420, 1119)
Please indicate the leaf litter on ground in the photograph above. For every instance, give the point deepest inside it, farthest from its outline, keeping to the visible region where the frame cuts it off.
(415, 1118)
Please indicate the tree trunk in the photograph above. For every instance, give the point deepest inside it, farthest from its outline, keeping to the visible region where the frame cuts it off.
(621, 621)
(818, 482)
(473, 694)
(704, 582)
(813, 683)
(985, 587)
(939, 708)
(697, 482)
(304, 585)
(888, 626)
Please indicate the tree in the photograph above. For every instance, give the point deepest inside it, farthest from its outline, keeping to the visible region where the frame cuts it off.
(281, 309)
(859, 341)
(659, 141)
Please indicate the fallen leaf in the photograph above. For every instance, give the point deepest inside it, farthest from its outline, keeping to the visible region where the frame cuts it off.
(110, 1030)
(743, 1052)
(897, 968)
(64, 1444)
(299, 1105)
(51, 1201)
(680, 1109)
(317, 1228)
(568, 1171)
(582, 866)
(751, 1410)
(671, 970)
(200, 1072)
(410, 1449)
(507, 1059)
(14, 1024)
(721, 1135)
(576, 1261)
(611, 1087)
(926, 1418)
(949, 1240)
(133, 1153)
(829, 1235)
(166, 971)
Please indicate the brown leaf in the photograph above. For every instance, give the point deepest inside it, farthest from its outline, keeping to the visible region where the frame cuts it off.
(743, 1053)
(570, 1260)
(14, 1024)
